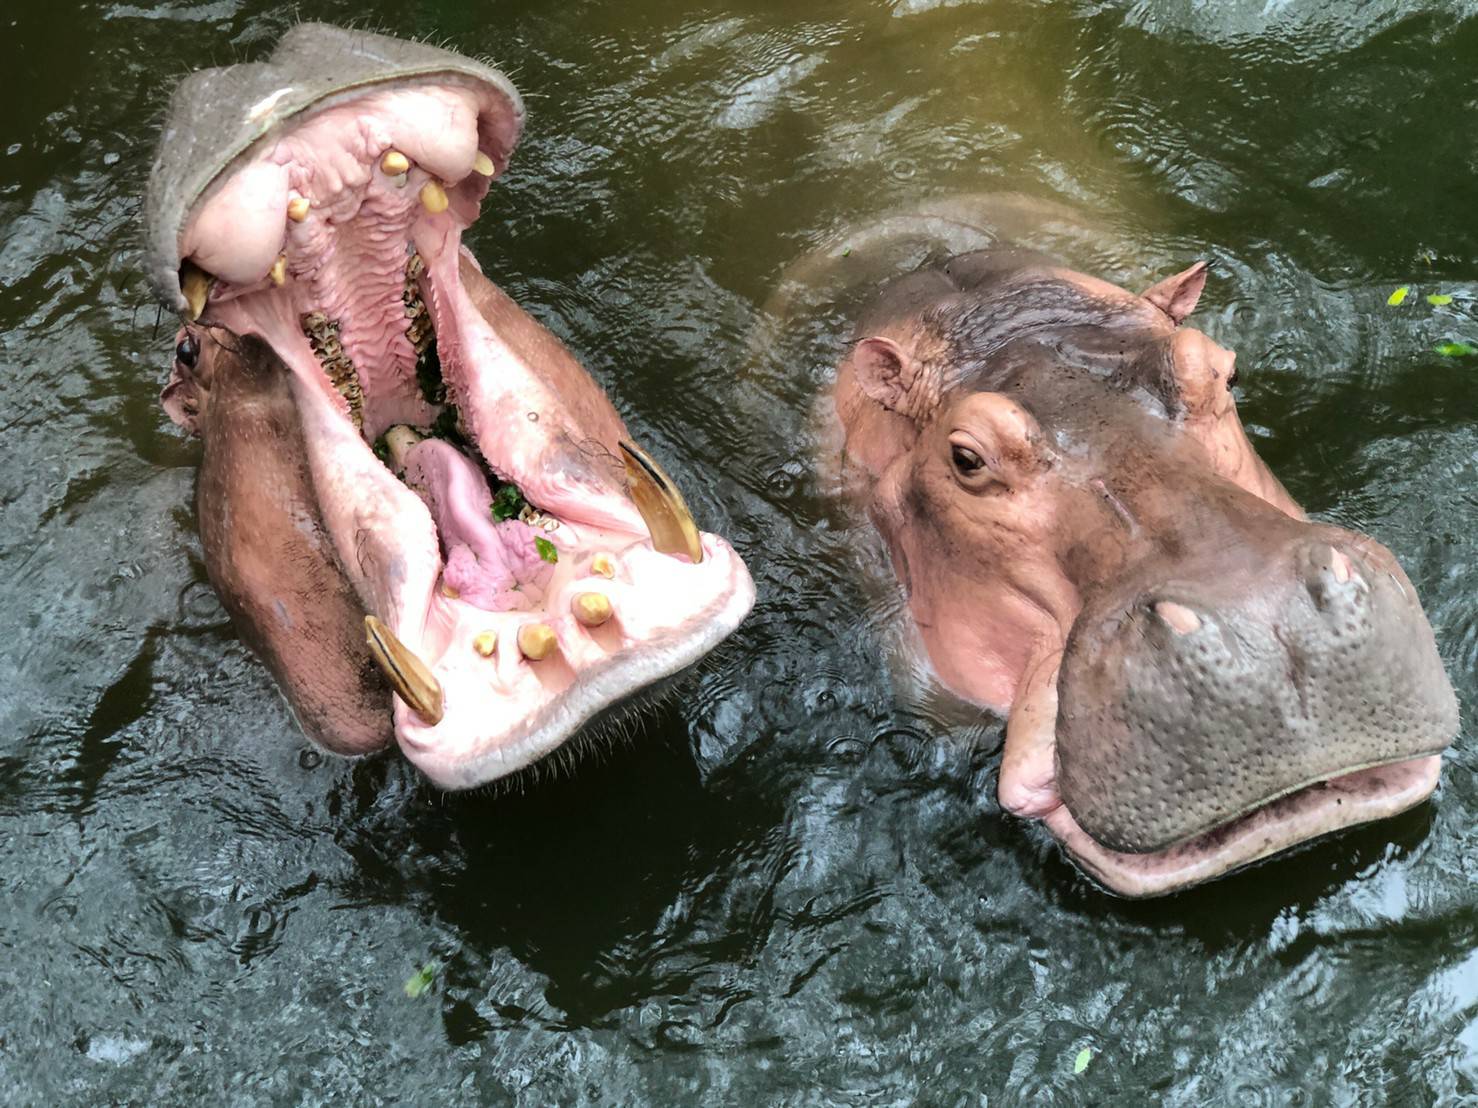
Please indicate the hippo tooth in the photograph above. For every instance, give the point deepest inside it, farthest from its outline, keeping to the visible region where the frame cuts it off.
(450, 592)
(485, 643)
(398, 441)
(433, 197)
(536, 641)
(603, 565)
(394, 163)
(591, 608)
(412, 681)
(278, 272)
(484, 164)
(661, 505)
(196, 284)
(298, 208)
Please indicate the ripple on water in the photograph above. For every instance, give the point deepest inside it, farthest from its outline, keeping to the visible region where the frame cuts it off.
(794, 883)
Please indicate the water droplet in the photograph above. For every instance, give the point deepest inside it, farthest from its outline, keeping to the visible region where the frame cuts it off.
(260, 920)
(846, 748)
(198, 605)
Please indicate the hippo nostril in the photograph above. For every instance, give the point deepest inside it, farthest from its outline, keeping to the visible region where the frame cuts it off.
(1333, 580)
(1341, 565)
(1180, 618)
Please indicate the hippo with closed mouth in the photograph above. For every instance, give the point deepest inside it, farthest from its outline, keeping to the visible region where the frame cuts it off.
(1195, 675)
(407, 484)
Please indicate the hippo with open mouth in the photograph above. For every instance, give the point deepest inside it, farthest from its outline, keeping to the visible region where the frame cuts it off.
(407, 483)
(1195, 676)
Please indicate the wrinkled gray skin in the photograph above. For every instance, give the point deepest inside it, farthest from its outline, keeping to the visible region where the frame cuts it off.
(1293, 676)
(1177, 645)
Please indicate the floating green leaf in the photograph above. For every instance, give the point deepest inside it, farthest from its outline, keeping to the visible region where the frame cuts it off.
(546, 550)
(1455, 349)
(1080, 1063)
(847, 251)
(420, 981)
(382, 450)
(1439, 299)
(508, 502)
(1395, 299)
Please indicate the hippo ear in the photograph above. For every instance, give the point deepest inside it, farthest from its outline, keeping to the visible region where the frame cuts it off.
(1176, 296)
(889, 374)
(181, 400)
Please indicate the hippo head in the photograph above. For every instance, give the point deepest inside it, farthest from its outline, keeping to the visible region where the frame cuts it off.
(1196, 676)
(406, 483)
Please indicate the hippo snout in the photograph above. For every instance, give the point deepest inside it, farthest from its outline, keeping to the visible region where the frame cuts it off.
(1188, 700)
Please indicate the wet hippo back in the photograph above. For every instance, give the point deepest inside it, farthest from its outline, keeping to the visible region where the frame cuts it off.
(269, 556)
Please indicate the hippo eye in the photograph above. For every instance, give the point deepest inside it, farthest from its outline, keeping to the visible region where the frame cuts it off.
(971, 470)
(187, 353)
(965, 459)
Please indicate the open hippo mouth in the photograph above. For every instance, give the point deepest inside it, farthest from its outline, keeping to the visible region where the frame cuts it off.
(1196, 676)
(518, 563)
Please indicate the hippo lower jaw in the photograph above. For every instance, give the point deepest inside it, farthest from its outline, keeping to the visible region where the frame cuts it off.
(1309, 813)
(502, 622)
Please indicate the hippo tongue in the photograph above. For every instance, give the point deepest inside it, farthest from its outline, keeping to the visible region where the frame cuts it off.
(495, 566)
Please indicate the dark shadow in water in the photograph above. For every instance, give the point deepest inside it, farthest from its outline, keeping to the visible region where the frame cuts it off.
(577, 874)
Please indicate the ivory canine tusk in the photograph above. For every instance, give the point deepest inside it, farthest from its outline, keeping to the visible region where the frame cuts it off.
(412, 681)
(661, 505)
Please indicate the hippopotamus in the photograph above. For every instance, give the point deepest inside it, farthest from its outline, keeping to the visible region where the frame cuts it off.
(419, 509)
(1194, 674)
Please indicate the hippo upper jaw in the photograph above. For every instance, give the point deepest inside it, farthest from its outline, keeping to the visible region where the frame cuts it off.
(520, 563)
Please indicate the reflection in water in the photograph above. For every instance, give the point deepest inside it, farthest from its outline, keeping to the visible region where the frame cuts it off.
(792, 882)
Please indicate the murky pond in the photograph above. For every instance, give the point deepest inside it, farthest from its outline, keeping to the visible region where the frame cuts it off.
(791, 882)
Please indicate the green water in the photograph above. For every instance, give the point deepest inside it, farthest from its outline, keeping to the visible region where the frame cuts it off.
(792, 885)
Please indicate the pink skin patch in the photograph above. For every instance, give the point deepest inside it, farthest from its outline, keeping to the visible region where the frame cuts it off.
(1178, 616)
(1343, 570)
(424, 555)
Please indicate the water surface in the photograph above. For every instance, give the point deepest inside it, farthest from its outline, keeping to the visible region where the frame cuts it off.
(792, 883)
